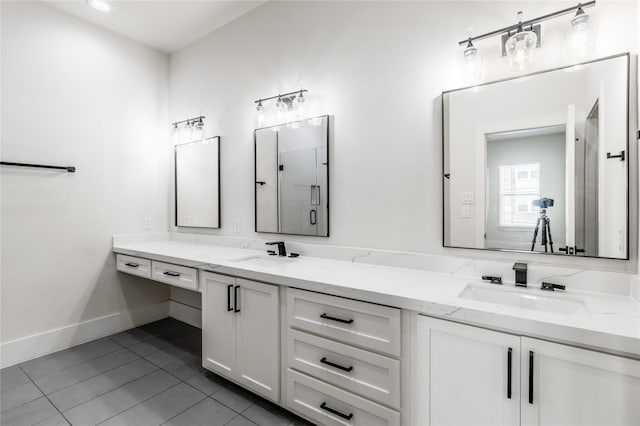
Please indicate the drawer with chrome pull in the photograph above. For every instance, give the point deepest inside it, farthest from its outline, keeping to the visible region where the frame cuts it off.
(328, 405)
(133, 265)
(354, 322)
(373, 376)
(180, 276)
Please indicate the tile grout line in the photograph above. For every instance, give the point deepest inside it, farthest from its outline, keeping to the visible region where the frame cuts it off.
(135, 405)
(102, 372)
(74, 365)
(111, 390)
(186, 409)
(46, 396)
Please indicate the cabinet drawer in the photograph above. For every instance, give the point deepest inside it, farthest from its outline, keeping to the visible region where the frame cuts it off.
(360, 323)
(370, 375)
(180, 276)
(328, 405)
(133, 265)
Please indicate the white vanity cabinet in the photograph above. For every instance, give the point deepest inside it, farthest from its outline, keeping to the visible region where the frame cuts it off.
(342, 365)
(472, 376)
(240, 332)
(563, 385)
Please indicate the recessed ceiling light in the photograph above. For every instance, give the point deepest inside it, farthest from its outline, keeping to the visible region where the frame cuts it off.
(100, 5)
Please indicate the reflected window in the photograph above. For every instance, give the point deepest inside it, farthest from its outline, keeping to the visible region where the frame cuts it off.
(519, 186)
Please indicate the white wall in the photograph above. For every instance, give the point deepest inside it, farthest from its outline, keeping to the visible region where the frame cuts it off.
(73, 94)
(379, 67)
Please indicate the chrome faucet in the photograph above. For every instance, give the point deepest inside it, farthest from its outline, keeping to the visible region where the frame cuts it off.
(521, 274)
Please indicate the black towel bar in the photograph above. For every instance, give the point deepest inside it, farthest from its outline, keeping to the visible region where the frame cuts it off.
(69, 169)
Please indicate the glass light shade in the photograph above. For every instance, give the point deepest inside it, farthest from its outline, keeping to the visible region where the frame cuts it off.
(580, 36)
(260, 115)
(472, 64)
(281, 112)
(519, 49)
(300, 109)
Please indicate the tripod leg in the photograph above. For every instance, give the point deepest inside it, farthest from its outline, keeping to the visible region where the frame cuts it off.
(535, 234)
(544, 233)
(549, 232)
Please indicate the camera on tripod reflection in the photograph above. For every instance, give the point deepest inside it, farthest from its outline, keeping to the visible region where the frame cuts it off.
(543, 203)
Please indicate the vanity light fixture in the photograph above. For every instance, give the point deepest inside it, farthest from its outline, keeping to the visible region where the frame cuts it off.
(100, 5)
(189, 129)
(520, 39)
(289, 107)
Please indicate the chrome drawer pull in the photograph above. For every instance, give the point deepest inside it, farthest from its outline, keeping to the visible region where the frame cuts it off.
(132, 265)
(172, 274)
(339, 367)
(325, 316)
(336, 412)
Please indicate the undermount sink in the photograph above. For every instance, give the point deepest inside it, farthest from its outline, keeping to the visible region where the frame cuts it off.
(264, 260)
(525, 299)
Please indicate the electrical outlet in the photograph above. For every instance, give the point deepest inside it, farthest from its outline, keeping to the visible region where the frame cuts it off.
(147, 224)
(465, 212)
(236, 226)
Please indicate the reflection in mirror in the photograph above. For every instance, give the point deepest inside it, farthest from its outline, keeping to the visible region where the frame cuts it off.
(539, 163)
(292, 178)
(198, 183)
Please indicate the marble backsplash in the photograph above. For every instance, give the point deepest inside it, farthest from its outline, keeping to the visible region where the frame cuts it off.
(583, 279)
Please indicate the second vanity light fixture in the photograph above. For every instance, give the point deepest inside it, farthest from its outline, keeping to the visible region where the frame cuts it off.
(188, 130)
(520, 39)
(289, 108)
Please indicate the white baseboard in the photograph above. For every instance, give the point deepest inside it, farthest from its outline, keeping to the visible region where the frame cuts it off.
(185, 313)
(29, 347)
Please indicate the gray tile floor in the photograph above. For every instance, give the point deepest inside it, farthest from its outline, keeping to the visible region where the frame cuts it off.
(150, 375)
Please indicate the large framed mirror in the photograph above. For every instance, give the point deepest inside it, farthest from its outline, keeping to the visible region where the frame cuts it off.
(197, 184)
(540, 163)
(292, 178)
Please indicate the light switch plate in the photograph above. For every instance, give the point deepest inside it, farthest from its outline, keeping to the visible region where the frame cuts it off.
(467, 198)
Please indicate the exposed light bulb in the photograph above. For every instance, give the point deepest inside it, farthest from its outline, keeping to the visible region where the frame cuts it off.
(260, 114)
(520, 47)
(580, 36)
(472, 63)
(100, 5)
(281, 111)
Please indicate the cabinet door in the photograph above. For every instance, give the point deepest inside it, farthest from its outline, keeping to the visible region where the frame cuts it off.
(218, 323)
(258, 358)
(468, 375)
(571, 386)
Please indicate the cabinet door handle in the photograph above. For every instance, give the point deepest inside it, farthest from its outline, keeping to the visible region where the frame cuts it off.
(132, 265)
(172, 274)
(509, 356)
(338, 366)
(229, 307)
(236, 304)
(313, 217)
(530, 377)
(345, 321)
(336, 412)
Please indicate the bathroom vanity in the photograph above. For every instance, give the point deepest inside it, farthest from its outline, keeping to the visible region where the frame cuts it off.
(345, 343)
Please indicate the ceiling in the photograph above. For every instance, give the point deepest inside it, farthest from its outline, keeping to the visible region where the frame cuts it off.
(165, 25)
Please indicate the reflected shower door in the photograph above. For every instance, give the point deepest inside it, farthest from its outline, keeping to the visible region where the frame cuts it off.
(298, 192)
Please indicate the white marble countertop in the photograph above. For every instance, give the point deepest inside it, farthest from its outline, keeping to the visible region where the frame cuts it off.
(611, 322)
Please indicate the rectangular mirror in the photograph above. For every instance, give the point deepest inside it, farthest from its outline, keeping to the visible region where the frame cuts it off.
(540, 163)
(292, 178)
(197, 174)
